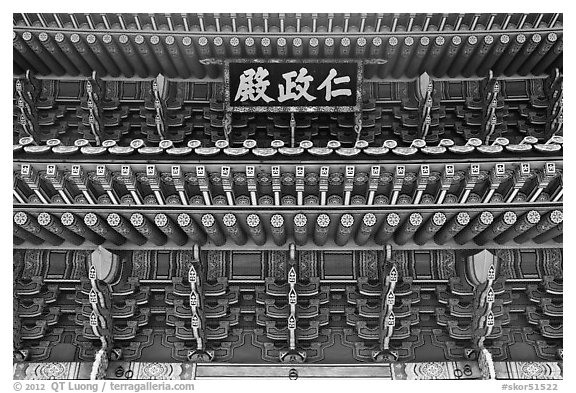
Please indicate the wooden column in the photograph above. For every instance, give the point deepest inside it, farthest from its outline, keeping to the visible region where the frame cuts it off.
(456, 223)
(429, 229)
(101, 227)
(234, 230)
(256, 229)
(321, 229)
(524, 223)
(212, 229)
(505, 221)
(123, 227)
(387, 228)
(363, 233)
(411, 225)
(170, 229)
(54, 225)
(549, 220)
(76, 225)
(344, 230)
(550, 234)
(194, 232)
(29, 223)
(148, 229)
(277, 229)
(480, 222)
(300, 229)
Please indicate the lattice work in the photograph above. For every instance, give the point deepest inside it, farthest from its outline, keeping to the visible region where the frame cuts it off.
(277, 265)
(443, 264)
(368, 264)
(307, 265)
(216, 262)
(551, 262)
(18, 264)
(402, 261)
(33, 265)
(506, 262)
(80, 260)
(183, 262)
(142, 264)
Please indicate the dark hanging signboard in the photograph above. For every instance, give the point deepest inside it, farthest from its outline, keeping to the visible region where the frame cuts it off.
(282, 85)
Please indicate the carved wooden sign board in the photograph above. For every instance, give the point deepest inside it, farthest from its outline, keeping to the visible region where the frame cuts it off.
(282, 85)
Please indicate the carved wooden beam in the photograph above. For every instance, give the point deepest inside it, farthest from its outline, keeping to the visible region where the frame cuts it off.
(321, 229)
(387, 228)
(300, 229)
(410, 225)
(452, 227)
(235, 232)
(101, 227)
(148, 229)
(30, 224)
(212, 229)
(54, 225)
(478, 224)
(344, 230)
(170, 229)
(505, 221)
(25, 235)
(256, 229)
(195, 233)
(550, 234)
(429, 229)
(125, 228)
(548, 221)
(365, 230)
(277, 229)
(77, 225)
(527, 221)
